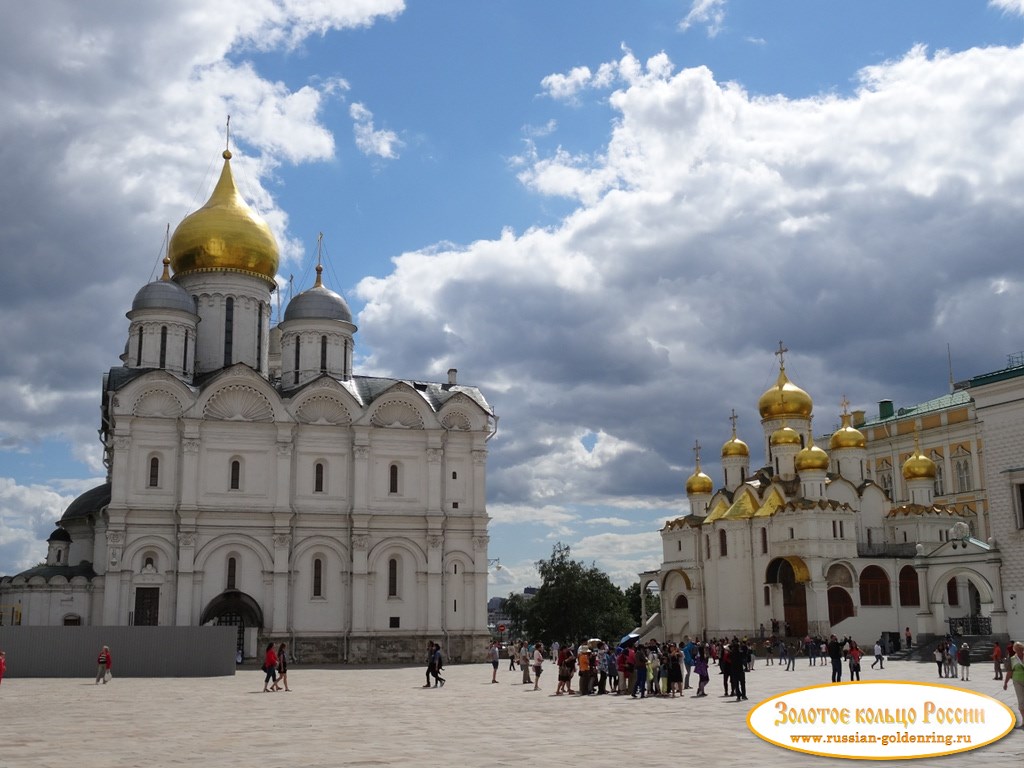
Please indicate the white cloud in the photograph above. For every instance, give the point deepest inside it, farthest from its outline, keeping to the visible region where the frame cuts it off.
(709, 12)
(370, 141)
(613, 522)
(1009, 6)
(871, 228)
(28, 515)
(101, 151)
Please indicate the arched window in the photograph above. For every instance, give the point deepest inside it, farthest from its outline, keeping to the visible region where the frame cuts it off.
(681, 602)
(952, 593)
(964, 482)
(767, 595)
(323, 354)
(138, 351)
(149, 562)
(393, 479)
(154, 472)
(874, 587)
(940, 488)
(909, 592)
(232, 569)
(236, 475)
(184, 355)
(72, 620)
(723, 544)
(707, 547)
(163, 346)
(764, 541)
(229, 329)
(318, 577)
(393, 577)
(298, 345)
(318, 477)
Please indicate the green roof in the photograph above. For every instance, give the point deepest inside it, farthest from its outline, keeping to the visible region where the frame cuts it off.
(952, 400)
(992, 378)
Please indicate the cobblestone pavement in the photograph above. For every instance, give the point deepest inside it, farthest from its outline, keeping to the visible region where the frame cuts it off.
(382, 717)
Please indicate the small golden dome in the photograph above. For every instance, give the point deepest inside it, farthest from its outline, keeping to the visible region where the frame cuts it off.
(918, 466)
(847, 436)
(735, 447)
(698, 482)
(785, 399)
(225, 234)
(785, 436)
(811, 457)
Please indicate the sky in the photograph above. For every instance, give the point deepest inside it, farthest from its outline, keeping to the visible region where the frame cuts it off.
(606, 215)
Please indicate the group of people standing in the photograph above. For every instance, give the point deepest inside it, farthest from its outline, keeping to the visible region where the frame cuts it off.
(275, 667)
(949, 657)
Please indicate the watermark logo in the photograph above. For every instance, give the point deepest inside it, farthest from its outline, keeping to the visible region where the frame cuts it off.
(881, 720)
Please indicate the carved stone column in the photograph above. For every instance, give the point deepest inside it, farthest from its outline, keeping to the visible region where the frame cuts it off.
(282, 552)
(436, 609)
(360, 585)
(112, 580)
(186, 564)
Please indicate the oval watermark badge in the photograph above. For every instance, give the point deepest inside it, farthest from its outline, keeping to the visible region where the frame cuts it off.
(883, 720)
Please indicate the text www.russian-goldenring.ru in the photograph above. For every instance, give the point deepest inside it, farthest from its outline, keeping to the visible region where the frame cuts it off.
(885, 740)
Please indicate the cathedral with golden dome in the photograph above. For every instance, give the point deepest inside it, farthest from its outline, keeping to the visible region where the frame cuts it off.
(254, 480)
(820, 541)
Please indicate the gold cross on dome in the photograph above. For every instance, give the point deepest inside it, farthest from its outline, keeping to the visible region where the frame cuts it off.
(782, 350)
(696, 451)
(844, 403)
(733, 418)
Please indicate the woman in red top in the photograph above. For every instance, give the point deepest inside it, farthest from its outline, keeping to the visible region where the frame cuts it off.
(270, 668)
(854, 656)
(103, 662)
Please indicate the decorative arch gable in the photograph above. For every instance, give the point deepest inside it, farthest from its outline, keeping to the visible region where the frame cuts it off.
(456, 421)
(461, 412)
(323, 409)
(238, 402)
(136, 546)
(395, 413)
(157, 403)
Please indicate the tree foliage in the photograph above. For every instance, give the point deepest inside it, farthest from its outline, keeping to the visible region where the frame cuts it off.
(574, 602)
(633, 602)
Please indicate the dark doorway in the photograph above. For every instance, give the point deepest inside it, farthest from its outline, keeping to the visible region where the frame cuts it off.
(147, 606)
(794, 596)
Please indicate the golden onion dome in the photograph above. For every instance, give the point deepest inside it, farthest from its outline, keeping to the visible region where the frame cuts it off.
(224, 235)
(847, 436)
(698, 482)
(785, 436)
(784, 399)
(811, 457)
(918, 466)
(735, 447)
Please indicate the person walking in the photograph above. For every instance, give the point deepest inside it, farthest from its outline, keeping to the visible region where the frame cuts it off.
(1015, 672)
(103, 663)
(940, 657)
(270, 669)
(908, 637)
(700, 667)
(513, 654)
(738, 659)
(282, 665)
(878, 655)
(438, 665)
(430, 662)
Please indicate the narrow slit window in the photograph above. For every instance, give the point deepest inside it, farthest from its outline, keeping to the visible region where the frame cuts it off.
(163, 346)
(318, 576)
(229, 329)
(318, 478)
(236, 475)
(154, 472)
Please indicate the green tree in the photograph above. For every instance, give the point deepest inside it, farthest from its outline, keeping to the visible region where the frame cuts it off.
(515, 608)
(633, 603)
(575, 602)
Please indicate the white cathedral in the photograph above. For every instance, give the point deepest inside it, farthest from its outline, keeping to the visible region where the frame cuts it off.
(253, 480)
(812, 542)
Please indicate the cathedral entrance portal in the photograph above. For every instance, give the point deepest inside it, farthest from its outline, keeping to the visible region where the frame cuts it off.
(790, 573)
(236, 609)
